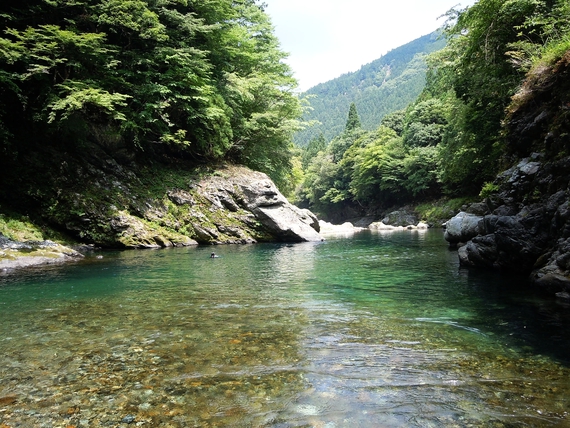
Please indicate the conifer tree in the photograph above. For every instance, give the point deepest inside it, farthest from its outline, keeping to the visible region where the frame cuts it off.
(353, 121)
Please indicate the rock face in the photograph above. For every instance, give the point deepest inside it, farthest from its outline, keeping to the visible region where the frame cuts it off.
(528, 228)
(256, 204)
(230, 205)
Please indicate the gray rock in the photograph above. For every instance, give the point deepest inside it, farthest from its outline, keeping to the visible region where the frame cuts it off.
(401, 217)
(246, 192)
(529, 232)
(462, 228)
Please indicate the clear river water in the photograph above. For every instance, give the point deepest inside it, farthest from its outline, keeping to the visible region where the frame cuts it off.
(371, 330)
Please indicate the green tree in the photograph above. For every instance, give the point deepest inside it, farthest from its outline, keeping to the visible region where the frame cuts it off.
(353, 120)
(377, 171)
(193, 79)
(479, 65)
(315, 146)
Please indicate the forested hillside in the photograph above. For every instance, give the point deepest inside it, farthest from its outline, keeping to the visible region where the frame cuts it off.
(106, 106)
(385, 85)
(202, 81)
(456, 136)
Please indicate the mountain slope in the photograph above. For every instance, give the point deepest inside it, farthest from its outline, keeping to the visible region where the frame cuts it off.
(383, 86)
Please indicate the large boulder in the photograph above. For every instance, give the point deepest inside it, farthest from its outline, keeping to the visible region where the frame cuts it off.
(241, 189)
(462, 228)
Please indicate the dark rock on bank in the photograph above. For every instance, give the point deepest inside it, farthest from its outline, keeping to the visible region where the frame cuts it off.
(527, 225)
(528, 231)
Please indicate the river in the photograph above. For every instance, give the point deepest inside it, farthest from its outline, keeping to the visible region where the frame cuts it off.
(371, 330)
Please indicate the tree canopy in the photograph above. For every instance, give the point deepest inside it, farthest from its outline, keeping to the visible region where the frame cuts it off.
(451, 140)
(204, 80)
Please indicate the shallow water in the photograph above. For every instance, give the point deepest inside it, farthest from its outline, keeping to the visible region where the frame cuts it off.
(378, 330)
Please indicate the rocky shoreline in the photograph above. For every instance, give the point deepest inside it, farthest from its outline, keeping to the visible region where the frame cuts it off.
(17, 255)
(523, 227)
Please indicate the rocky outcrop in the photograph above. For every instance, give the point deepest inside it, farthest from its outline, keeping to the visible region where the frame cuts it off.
(230, 205)
(524, 225)
(527, 225)
(32, 253)
(256, 208)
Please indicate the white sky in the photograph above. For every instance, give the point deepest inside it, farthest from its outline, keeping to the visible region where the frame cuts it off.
(327, 38)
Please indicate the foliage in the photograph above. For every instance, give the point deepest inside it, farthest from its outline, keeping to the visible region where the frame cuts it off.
(385, 85)
(489, 189)
(190, 79)
(353, 121)
(315, 146)
(489, 48)
(441, 210)
(19, 228)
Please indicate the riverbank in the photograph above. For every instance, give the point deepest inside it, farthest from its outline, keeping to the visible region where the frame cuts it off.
(17, 255)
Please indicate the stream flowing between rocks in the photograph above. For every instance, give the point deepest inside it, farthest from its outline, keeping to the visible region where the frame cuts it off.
(371, 330)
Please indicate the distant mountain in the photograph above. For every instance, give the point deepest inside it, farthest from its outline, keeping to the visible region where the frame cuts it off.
(385, 85)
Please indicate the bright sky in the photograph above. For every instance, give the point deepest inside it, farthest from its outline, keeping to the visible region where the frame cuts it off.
(327, 38)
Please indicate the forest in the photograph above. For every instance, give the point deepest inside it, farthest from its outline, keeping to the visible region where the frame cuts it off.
(142, 80)
(188, 83)
(451, 141)
(387, 84)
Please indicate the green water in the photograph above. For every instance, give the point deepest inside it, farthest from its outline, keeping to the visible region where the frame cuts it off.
(377, 330)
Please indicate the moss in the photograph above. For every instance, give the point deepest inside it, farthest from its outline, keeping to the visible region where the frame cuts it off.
(437, 212)
(489, 189)
(20, 228)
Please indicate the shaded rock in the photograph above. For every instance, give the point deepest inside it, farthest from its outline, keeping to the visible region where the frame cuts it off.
(401, 217)
(529, 231)
(481, 251)
(477, 208)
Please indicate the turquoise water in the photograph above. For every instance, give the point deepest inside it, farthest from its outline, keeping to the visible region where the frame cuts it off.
(375, 330)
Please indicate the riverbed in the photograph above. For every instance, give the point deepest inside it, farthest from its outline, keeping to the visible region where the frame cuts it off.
(375, 329)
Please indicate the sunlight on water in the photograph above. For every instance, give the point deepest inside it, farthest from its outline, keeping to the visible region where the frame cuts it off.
(378, 330)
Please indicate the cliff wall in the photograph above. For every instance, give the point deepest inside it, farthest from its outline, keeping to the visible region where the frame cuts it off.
(524, 222)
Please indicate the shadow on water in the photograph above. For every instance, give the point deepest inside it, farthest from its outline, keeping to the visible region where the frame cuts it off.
(413, 274)
(525, 317)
